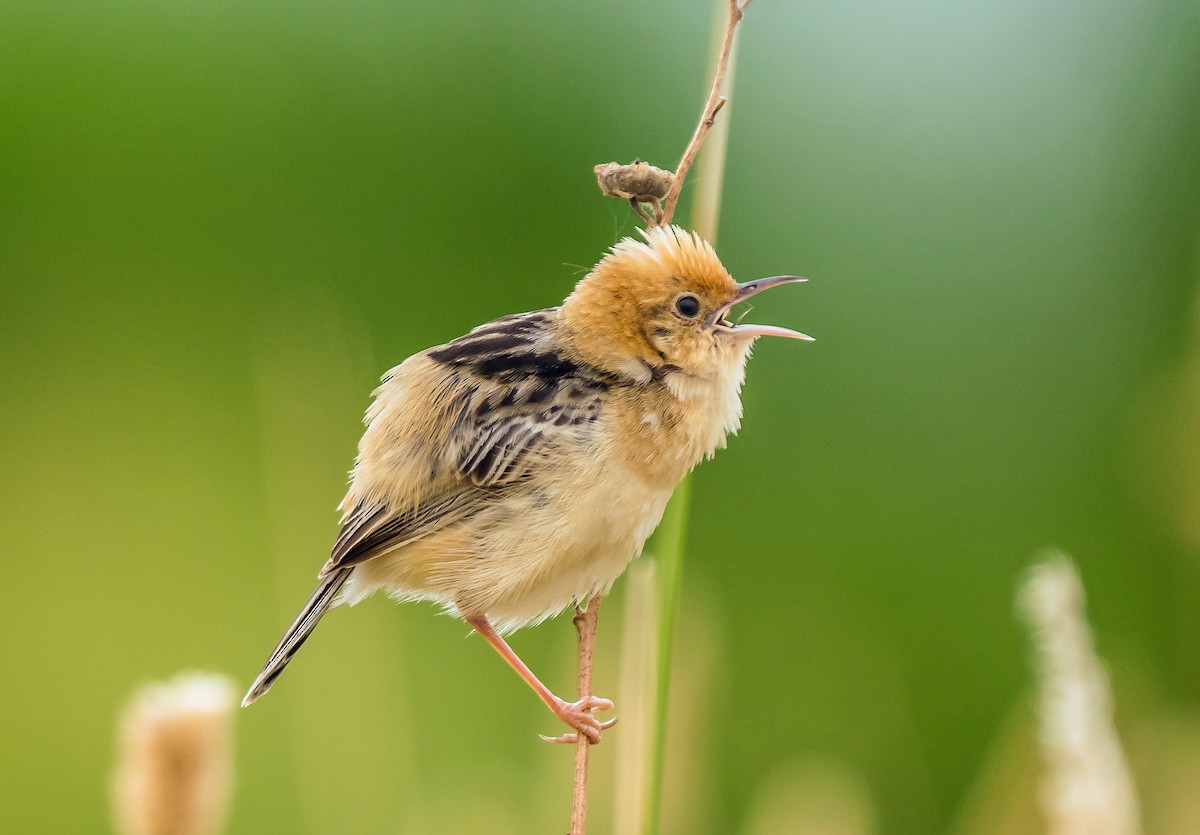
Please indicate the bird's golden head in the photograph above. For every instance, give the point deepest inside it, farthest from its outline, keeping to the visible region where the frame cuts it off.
(662, 303)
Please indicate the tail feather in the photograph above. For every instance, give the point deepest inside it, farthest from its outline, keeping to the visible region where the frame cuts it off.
(320, 602)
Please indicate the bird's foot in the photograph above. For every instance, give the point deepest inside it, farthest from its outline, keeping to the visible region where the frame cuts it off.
(579, 716)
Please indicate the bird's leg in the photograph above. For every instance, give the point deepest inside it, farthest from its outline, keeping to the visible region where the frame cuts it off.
(585, 625)
(576, 714)
(637, 207)
(656, 205)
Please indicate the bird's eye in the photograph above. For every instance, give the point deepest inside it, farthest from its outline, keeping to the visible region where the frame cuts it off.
(688, 306)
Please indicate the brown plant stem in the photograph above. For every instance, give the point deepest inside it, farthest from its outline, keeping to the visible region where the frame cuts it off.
(614, 182)
(712, 106)
(585, 625)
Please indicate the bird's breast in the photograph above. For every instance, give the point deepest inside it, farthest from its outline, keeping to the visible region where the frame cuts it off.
(666, 430)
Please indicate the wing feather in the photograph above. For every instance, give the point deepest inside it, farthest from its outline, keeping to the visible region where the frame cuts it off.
(371, 532)
(516, 398)
(524, 396)
(501, 441)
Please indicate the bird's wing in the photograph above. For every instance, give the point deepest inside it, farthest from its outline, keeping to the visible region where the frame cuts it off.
(522, 397)
(369, 531)
(513, 399)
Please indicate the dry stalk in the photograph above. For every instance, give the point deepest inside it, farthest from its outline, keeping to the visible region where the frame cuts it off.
(712, 106)
(639, 183)
(585, 625)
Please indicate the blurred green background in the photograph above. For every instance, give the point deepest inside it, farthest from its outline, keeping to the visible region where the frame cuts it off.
(221, 222)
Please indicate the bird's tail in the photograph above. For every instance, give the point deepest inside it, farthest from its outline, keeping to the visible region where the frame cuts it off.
(320, 602)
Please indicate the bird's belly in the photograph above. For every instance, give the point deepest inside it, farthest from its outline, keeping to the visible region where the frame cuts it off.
(536, 552)
(572, 548)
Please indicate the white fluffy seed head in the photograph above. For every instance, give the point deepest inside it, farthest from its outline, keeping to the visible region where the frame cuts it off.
(175, 757)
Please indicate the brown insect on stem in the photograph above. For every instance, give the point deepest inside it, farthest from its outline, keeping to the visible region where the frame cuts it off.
(638, 182)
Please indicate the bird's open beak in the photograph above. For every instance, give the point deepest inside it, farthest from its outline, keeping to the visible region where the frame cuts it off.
(745, 291)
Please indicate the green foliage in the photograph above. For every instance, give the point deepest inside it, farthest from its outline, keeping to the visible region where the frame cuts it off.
(220, 223)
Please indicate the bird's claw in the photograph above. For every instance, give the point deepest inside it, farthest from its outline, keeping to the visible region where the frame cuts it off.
(579, 716)
(572, 738)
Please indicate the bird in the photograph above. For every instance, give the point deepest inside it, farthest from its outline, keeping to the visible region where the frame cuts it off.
(516, 471)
